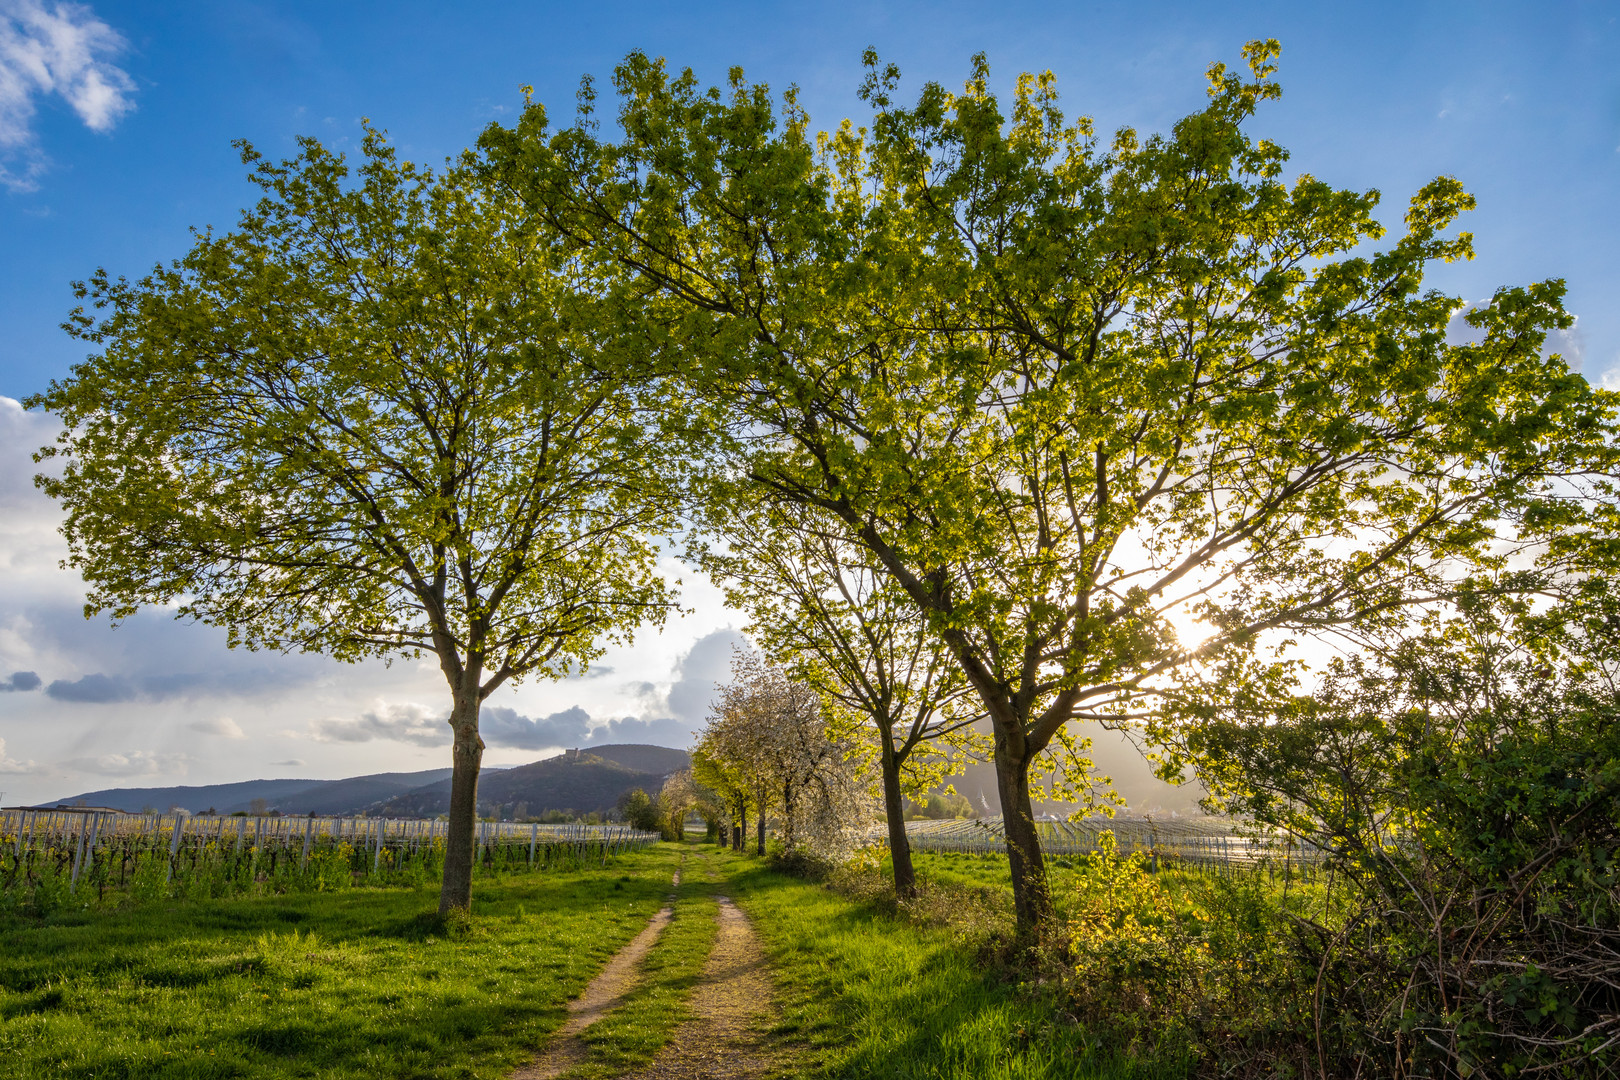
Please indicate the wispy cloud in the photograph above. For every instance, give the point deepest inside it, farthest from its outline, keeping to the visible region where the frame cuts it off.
(102, 689)
(59, 49)
(132, 763)
(220, 725)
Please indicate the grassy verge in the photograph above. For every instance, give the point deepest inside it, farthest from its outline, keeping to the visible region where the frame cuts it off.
(631, 1036)
(351, 984)
(867, 992)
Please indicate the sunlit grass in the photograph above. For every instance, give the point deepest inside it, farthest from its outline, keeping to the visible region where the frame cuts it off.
(352, 984)
(867, 992)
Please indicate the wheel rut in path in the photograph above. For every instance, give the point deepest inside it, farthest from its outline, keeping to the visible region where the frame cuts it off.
(602, 995)
(722, 1041)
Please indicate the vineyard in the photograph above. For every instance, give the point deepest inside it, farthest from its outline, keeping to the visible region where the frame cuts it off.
(1209, 842)
(46, 855)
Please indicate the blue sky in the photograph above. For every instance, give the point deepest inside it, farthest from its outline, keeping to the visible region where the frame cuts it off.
(120, 141)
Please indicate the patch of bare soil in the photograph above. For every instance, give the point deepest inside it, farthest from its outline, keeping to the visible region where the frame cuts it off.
(603, 994)
(722, 1040)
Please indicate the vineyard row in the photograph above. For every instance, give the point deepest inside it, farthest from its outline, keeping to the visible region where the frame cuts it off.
(47, 854)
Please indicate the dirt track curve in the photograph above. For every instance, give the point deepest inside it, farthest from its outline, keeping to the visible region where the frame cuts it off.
(602, 995)
(720, 1042)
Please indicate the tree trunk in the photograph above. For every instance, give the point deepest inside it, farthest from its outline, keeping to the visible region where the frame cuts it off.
(467, 754)
(739, 835)
(788, 837)
(1032, 895)
(761, 826)
(905, 877)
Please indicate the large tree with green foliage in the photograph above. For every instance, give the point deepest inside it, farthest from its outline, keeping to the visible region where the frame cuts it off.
(1069, 392)
(383, 416)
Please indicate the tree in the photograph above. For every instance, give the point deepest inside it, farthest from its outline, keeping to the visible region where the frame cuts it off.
(640, 811)
(1460, 781)
(1068, 394)
(768, 734)
(820, 607)
(725, 778)
(680, 796)
(384, 416)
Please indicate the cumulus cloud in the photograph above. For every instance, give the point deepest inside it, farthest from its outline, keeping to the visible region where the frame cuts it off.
(59, 49)
(14, 767)
(504, 727)
(94, 689)
(409, 723)
(132, 763)
(700, 673)
(500, 726)
(664, 731)
(220, 725)
(20, 680)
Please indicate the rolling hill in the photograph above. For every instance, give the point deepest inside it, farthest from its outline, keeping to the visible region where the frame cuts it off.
(592, 780)
(289, 796)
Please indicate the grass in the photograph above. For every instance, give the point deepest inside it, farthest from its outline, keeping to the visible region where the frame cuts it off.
(364, 983)
(868, 993)
(369, 982)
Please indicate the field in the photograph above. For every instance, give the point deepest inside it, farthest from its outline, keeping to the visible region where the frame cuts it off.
(369, 982)
(355, 983)
(50, 858)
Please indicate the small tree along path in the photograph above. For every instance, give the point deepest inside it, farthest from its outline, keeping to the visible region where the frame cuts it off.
(721, 1041)
(604, 993)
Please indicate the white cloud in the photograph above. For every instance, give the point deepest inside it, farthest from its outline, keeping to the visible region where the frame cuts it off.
(220, 725)
(13, 767)
(62, 49)
(133, 763)
(410, 723)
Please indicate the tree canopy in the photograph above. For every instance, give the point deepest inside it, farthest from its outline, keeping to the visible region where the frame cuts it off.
(383, 416)
(1077, 397)
(822, 609)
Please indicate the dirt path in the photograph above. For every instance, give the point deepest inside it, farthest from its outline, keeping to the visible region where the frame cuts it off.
(601, 996)
(720, 1041)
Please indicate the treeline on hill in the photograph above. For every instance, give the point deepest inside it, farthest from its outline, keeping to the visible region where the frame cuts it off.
(994, 428)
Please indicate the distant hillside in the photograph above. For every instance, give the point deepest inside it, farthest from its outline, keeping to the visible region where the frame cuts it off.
(347, 796)
(592, 781)
(642, 758)
(1142, 791)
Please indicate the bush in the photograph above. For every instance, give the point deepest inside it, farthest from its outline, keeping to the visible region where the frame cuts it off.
(639, 811)
(1468, 810)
